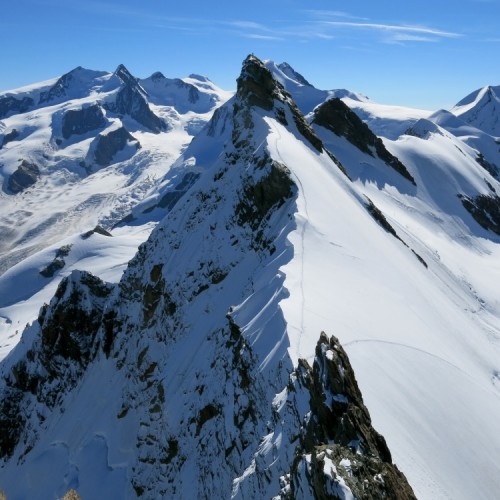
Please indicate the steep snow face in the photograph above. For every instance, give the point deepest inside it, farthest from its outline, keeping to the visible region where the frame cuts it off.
(68, 163)
(481, 109)
(486, 146)
(305, 95)
(419, 328)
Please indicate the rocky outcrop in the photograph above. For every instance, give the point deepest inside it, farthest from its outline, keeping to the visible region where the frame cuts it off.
(9, 105)
(59, 88)
(491, 168)
(131, 100)
(110, 144)
(256, 86)
(58, 357)
(337, 117)
(9, 137)
(485, 210)
(24, 176)
(57, 263)
(340, 453)
(83, 120)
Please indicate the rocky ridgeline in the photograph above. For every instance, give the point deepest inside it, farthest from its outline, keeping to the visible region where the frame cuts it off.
(337, 117)
(340, 453)
(131, 100)
(208, 409)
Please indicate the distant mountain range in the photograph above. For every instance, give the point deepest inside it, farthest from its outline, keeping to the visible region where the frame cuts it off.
(202, 293)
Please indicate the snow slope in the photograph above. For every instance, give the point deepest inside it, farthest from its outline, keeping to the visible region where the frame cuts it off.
(481, 109)
(385, 120)
(272, 243)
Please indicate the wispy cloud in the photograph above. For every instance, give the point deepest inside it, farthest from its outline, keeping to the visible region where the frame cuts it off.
(397, 28)
(248, 25)
(407, 37)
(324, 14)
(256, 36)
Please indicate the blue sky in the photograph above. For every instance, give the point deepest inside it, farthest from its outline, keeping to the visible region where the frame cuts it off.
(422, 53)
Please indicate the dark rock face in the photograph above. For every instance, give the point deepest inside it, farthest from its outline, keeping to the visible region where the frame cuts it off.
(256, 86)
(339, 448)
(491, 168)
(337, 117)
(99, 230)
(110, 144)
(59, 88)
(59, 356)
(81, 121)
(485, 210)
(10, 104)
(58, 262)
(9, 137)
(25, 176)
(131, 101)
(125, 76)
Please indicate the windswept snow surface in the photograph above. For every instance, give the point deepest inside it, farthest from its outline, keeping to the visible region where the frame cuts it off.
(424, 343)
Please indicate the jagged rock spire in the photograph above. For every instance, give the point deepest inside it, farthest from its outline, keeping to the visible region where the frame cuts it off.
(125, 76)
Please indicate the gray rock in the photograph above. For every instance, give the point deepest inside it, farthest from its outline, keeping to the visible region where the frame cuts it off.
(10, 105)
(59, 88)
(131, 100)
(58, 357)
(337, 117)
(25, 176)
(339, 449)
(110, 144)
(81, 121)
(9, 137)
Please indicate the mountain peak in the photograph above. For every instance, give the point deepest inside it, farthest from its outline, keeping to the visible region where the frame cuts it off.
(124, 75)
(291, 73)
(256, 83)
(480, 109)
(157, 76)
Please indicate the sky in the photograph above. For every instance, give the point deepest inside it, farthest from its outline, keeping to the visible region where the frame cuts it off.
(426, 54)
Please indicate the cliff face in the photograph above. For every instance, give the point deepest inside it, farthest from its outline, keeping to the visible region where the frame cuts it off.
(340, 453)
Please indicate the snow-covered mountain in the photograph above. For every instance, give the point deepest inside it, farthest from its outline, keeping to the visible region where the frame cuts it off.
(203, 372)
(77, 152)
(481, 109)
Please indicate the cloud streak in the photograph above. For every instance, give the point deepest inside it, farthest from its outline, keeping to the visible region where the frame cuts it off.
(394, 28)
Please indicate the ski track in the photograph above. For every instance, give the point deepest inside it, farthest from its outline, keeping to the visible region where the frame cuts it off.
(397, 344)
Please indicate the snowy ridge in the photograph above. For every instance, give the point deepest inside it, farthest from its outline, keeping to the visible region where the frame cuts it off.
(481, 109)
(202, 353)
